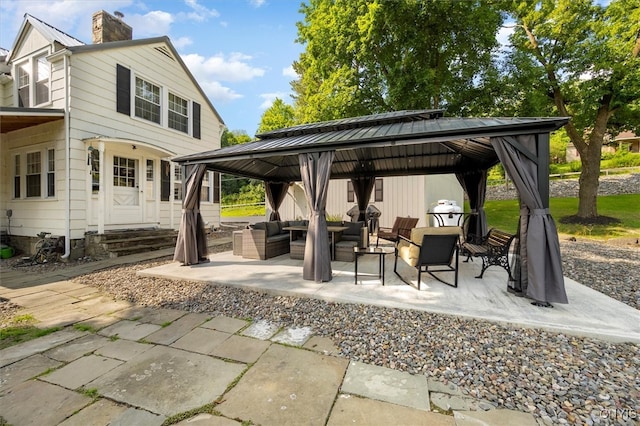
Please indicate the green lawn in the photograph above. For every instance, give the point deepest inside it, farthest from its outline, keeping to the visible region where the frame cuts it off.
(504, 215)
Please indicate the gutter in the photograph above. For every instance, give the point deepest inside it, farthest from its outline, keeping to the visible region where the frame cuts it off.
(67, 141)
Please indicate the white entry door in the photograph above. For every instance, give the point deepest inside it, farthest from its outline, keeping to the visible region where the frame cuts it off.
(126, 206)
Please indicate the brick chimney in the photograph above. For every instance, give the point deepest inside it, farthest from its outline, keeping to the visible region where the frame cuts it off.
(107, 27)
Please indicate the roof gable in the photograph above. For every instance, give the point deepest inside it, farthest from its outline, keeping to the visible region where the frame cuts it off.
(48, 32)
(162, 45)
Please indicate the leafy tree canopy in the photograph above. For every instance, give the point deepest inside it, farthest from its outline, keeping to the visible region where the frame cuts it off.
(277, 116)
(366, 56)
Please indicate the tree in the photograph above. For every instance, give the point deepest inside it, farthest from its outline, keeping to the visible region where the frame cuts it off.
(277, 116)
(583, 59)
(364, 56)
(230, 184)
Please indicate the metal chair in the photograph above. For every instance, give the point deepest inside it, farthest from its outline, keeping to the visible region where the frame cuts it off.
(436, 251)
(401, 227)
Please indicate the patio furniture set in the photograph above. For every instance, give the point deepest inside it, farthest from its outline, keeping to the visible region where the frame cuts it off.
(431, 250)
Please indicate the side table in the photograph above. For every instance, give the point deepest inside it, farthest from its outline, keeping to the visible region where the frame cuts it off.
(378, 251)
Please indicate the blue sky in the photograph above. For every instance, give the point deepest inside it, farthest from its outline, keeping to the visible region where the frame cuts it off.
(240, 51)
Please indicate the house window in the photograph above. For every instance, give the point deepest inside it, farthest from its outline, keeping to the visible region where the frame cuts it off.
(16, 177)
(178, 113)
(34, 174)
(350, 193)
(165, 180)
(124, 172)
(94, 158)
(378, 190)
(150, 187)
(51, 173)
(205, 191)
(23, 85)
(216, 187)
(42, 73)
(147, 100)
(177, 182)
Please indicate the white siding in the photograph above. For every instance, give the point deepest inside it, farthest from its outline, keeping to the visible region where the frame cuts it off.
(402, 196)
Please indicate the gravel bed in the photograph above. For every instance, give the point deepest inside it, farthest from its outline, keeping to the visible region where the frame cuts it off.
(559, 378)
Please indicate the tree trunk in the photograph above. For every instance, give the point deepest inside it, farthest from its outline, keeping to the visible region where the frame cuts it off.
(589, 182)
(590, 155)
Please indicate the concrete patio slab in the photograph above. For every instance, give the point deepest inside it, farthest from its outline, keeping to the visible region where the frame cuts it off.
(262, 330)
(130, 330)
(183, 325)
(226, 324)
(123, 350)
(321, 344)
(201, 340)
(586, 314)
(38, 403)
(78, 348)
(133, 416)
(168, 381)
(384, 384)
(23, 350)
(294, 336)
(494, 418)
(208, 420)
(81, 371)
(151, 315)
(241, 349)
(24, 370)
(280, 388)
(352, 410)
(101, 412)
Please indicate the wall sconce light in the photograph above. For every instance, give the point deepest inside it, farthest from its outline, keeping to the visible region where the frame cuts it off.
(91, 148)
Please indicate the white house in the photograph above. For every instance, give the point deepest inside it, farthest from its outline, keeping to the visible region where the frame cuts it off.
(88, 131)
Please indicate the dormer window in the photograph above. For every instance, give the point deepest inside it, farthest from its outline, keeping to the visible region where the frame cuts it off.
(33, 77)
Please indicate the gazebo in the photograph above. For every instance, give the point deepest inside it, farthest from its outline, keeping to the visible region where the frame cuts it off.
(416, 142)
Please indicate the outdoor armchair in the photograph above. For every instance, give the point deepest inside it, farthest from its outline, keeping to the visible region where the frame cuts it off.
(401, 226)
(430, 250)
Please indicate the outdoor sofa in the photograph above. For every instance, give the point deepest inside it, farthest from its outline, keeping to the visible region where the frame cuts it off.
(265, 240)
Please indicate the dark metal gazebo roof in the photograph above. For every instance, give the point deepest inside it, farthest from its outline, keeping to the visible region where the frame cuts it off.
(390, 144)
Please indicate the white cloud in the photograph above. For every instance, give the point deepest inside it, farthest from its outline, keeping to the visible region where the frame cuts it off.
(234, 67)
(182, 42)
(217, 92)
(269, 98)
(200, 13)
(289, 72)
(153, 23)
(257, 3)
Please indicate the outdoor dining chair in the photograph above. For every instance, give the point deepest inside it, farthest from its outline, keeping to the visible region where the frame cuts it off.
(401, 227)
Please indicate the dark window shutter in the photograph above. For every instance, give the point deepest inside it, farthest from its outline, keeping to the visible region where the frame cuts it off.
(216, 187)
(123, 90)
(196, 120)
(165, 180)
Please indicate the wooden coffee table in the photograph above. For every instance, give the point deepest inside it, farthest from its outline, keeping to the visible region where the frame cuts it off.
(377, 251)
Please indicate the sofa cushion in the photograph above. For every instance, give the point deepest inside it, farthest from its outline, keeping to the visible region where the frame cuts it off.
(277, 237)
(298, 223)
(273, 228)
(354, 228)
(260, 225)
(334, 223)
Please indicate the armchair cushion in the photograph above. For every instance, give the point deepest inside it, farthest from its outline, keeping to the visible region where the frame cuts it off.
(409, 248)
(273, 228)
(354, 228)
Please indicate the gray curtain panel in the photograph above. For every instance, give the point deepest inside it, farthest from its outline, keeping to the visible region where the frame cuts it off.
(362, 188)
(276, 192)
(191, 246)
(315, 170)
(475, 186)
(541, 264)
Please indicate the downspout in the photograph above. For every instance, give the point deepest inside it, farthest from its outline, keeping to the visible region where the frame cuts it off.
(67, 141)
